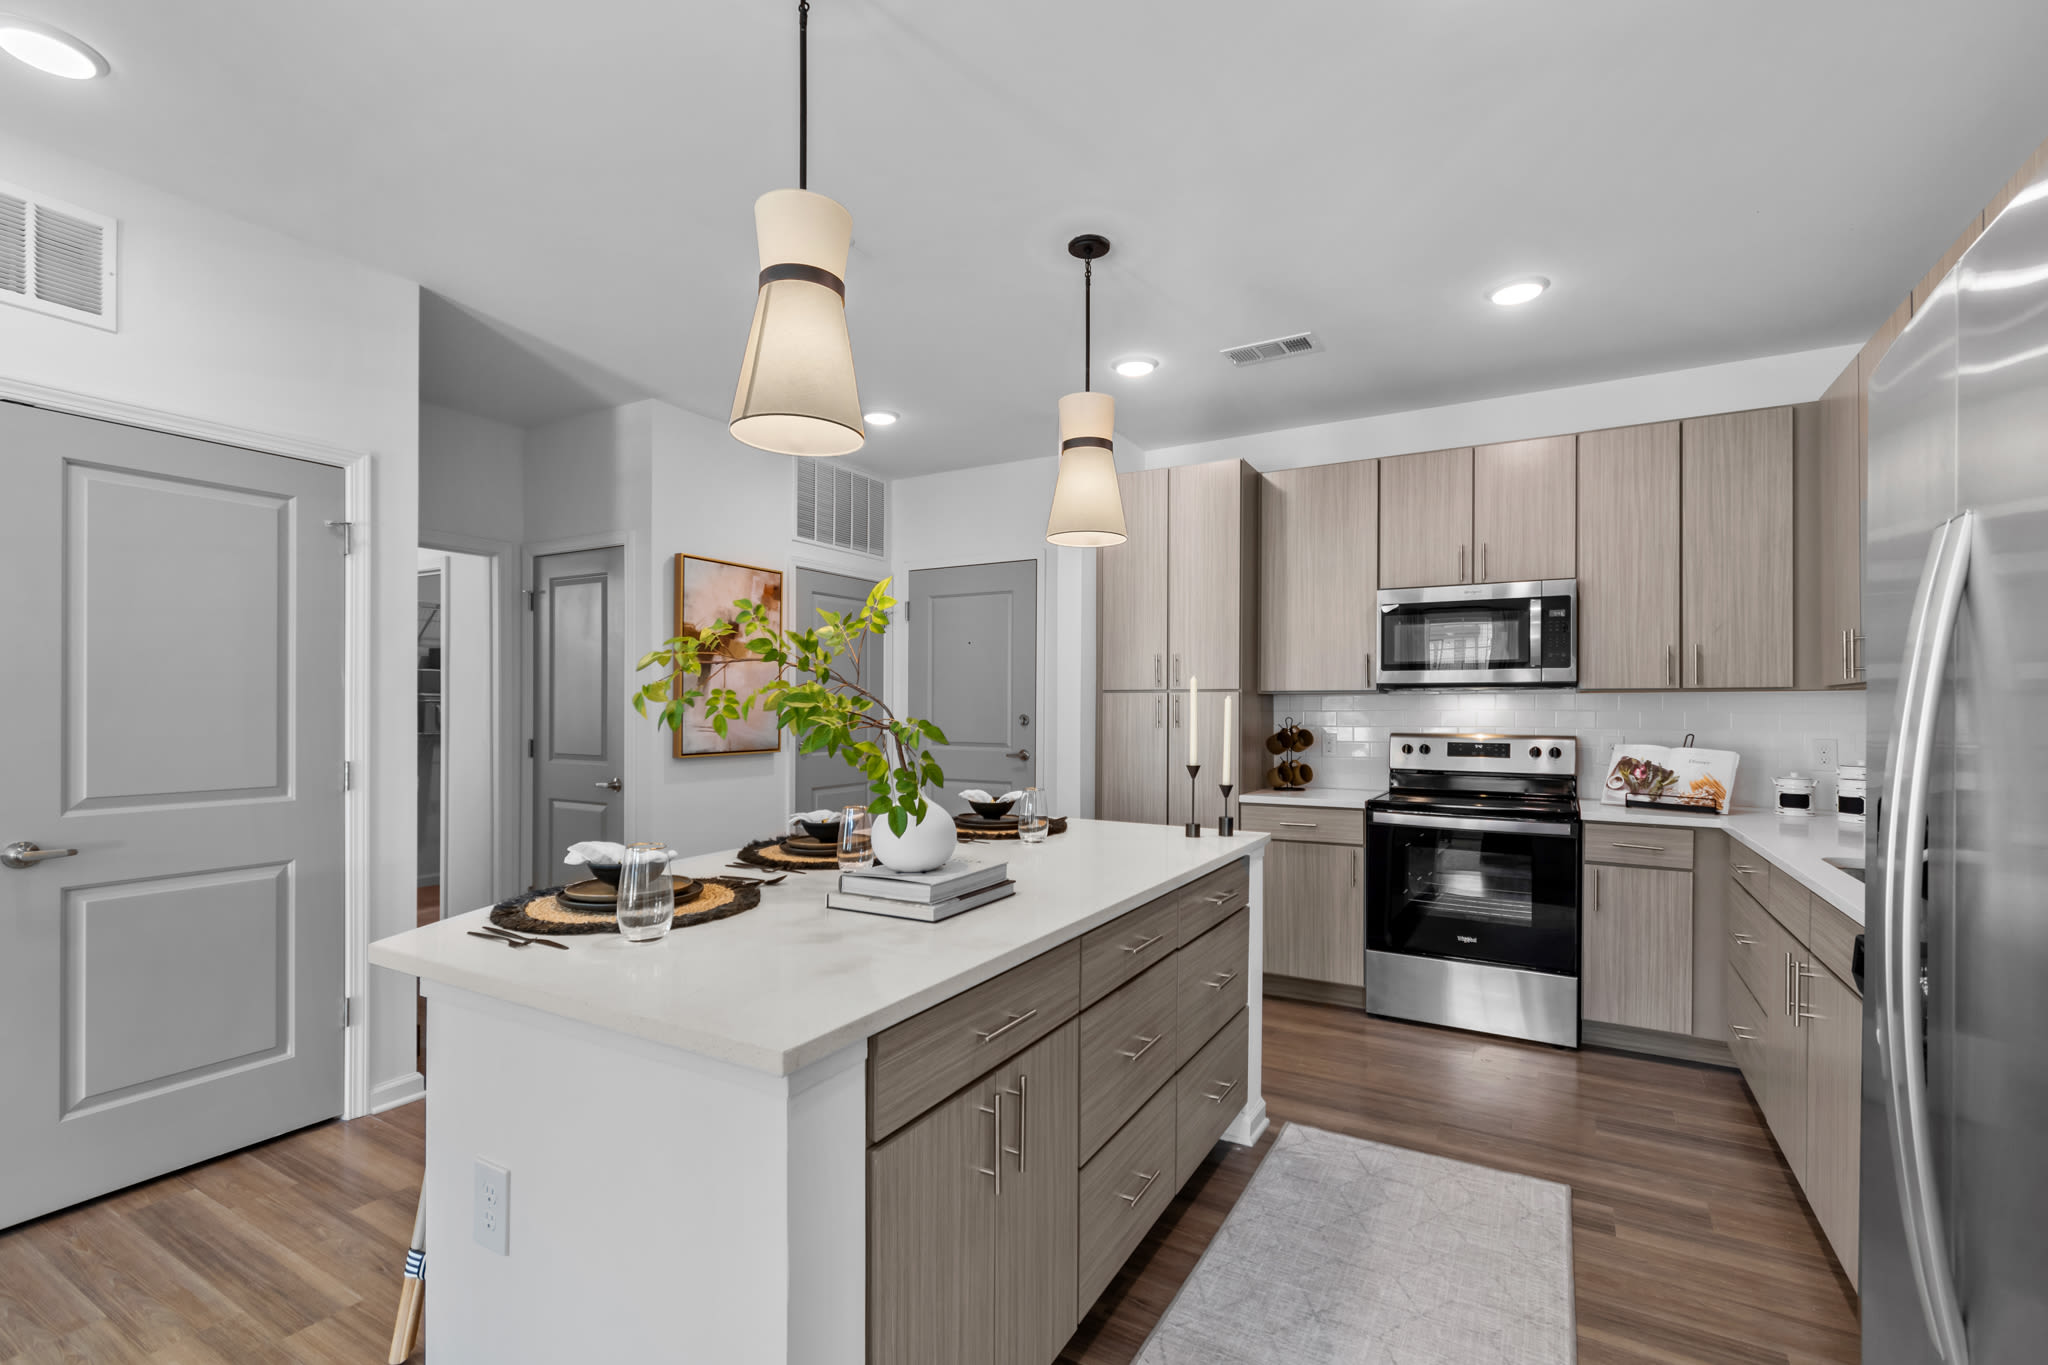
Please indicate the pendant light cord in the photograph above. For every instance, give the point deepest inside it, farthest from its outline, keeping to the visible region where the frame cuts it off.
(803, 94)
(1087, 323)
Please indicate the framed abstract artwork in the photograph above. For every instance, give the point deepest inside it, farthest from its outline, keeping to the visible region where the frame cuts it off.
(705, 592)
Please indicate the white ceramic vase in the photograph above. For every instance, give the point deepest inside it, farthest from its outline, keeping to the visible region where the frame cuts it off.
(920, 848)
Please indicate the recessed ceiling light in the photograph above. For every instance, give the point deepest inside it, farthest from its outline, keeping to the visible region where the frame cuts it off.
(1519, 291)
(49, 50)
(1137, 367)
(879, 419)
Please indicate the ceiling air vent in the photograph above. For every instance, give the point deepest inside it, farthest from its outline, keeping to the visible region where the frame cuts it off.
(1279, 348)
(837, 507)
(56, 259)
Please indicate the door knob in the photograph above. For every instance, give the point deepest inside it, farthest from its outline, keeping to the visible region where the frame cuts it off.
(616, 784)
(26, 854)
(1024, 754)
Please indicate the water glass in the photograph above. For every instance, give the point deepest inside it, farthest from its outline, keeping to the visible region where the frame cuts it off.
(856, 837)
(647, 894)
(1032, 819)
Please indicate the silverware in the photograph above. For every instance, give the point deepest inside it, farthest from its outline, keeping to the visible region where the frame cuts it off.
(523, 940)
(758, 881)
(494, 938)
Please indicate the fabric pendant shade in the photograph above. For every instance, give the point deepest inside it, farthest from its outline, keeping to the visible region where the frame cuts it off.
(1087, 505)
(796, 393)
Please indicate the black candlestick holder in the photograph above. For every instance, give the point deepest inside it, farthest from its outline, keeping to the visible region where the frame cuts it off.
(1225, 826)
(1193, 828)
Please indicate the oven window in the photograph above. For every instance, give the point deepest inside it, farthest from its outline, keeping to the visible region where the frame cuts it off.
(1475, 635)
(1508, 899)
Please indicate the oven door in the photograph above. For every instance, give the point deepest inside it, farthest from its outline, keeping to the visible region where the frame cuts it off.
(1479, 635)
(1504, 892)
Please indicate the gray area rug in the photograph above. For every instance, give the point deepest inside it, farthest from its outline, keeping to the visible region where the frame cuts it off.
(1342, 1252)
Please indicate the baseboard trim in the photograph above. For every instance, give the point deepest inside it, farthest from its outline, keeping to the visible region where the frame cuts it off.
(1314, 992)
(397, 1091)
(1680, 1047)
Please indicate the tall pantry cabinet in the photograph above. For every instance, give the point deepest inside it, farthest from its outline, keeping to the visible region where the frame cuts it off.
(1176, 603)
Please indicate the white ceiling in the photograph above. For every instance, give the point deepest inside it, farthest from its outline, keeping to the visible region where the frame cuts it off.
(1703, 181)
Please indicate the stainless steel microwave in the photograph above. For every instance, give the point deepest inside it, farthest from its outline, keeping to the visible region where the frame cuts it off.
(1481, 635)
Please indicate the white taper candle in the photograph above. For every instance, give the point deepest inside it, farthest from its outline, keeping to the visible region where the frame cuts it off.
(1229, 705)
(1192, 759)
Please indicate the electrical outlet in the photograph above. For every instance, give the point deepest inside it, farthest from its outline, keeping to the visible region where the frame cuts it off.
(491, 1209)
(1826, 752)
(1329, 742)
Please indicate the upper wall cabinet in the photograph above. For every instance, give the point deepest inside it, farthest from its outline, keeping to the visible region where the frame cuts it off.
(1832, 646)
(1426, 519)
(1736, 475)
(1524, 510)
(1318, 574)
(1212, 567)
(1629, 557)
(1131, 589)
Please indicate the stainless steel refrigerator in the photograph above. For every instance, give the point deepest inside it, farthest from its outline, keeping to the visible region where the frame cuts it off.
(1955, 1058)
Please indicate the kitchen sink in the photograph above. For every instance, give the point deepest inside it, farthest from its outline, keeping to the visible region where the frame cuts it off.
(1852, 866)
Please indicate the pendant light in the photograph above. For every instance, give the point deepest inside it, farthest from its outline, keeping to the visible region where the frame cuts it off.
(1087, 505)
(796, 394)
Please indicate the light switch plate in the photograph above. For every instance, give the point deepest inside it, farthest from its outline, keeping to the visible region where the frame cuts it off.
(491, 1208)
(1826, 752)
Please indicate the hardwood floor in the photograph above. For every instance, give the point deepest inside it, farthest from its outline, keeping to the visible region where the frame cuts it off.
(1690, 1241)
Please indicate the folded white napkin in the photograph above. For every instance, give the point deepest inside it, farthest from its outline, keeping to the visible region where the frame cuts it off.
(594, 853)
(977, 794)
(816, 817)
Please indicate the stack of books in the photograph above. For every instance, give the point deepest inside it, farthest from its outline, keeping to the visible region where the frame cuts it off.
(964, 883)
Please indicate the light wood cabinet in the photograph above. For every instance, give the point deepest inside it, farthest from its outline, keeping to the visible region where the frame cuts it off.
(1212, 542)
(1833, 1024)
(1130, 594)
(1315, 911)
(932, 1236)
(1636, 958)
(1035, 1227)
(1318, 576)
(1525, 510)
(1130, 757)
(1629, 557)
(1831, 633)
(1426, 519)
(1736, 574)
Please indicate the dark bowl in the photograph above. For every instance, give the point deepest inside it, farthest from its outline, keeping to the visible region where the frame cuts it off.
(606, 873)
(992, 810)
(824, 831)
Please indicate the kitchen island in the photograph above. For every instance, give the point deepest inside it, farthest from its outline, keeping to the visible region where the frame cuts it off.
(691, 1127)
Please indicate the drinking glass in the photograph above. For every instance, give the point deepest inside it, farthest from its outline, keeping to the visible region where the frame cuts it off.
(856, 837)
(1032, 819)
(647, 894)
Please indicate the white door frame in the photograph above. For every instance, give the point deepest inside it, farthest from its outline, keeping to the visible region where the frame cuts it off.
(509, 836)
(356, 466)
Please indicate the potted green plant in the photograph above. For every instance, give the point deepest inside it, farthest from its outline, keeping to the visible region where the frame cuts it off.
(817, 695)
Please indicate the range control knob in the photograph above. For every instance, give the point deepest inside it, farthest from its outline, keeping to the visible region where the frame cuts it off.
(1535, 751)
(1407, 748)
(1556, 752)
(1425, 748)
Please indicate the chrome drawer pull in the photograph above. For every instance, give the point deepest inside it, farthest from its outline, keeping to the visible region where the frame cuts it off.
(1222, 1094)
(1745, 869)
(1133, 1056)
(1225, 980)
(1015, 1020)
(1132, 1199)
(1141, 947)
(995, 1156)
(1299, 824)
(1745, 940)
(1647, 848)
(1023, 1119)
(1220, 897)
(1740, 1032)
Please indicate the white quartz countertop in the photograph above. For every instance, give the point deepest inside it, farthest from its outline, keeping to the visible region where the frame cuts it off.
(1340, 798)
(790, 982)
(1799, 844)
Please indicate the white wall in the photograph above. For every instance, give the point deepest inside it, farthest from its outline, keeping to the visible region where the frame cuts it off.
(224, 322)
(472, 477)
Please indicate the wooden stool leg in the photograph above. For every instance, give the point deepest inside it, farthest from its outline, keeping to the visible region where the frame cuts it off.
(405, 1333)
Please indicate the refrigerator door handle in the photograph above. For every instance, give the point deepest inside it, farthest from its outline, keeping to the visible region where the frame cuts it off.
(1901, 1026)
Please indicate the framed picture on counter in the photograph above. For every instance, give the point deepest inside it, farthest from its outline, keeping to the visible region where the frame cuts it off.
(705, 592)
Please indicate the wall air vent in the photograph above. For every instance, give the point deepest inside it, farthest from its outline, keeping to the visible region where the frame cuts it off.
(837, 507)
(1279, 348)
(56, 259)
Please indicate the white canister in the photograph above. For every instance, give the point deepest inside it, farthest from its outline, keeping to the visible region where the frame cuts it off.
(1795, 794)
(1849, 780)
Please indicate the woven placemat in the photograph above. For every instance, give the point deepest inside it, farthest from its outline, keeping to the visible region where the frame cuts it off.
(539, 912)
(1056, 825)
(776, 854)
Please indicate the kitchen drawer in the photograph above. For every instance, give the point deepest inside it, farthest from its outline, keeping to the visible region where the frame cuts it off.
(1832, 942)
(1208, 902)
(1129, 1048)
(1209, 1093)
(1749, 872)
(1754, 947)
(1124, 1189)
(1748, 1023)
(1128, 945)
(1790, 903)
(1639, 846)
(1213, 976)
(915, 1064)
(1314, 824)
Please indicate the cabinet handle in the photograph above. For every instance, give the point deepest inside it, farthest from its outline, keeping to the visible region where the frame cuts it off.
(1461, 565)
(1647, 848)
(1158, 670)
(1368, 668)
(995, 1153)
(1596, 890)
(1354, 869)
(1176, 710)
(1745, 940)
(1671, 664)
(1221, 981)
(1788, 983)
(1699, 665)
(1015, 1020)
(1133, 1056)
(1482, 561)
(1141, 947)
(1220, 1095)
(1299, 824)
(1023, 1118)
(1801, 971)
(1176, 670)
(1845, 656)
(1855, 654)
(1745, 869)
(1740, 1032)
(1220, 897)
(1132, 1199)
(1158, 712)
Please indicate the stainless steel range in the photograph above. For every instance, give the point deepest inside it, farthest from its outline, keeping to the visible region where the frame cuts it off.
(1472, 889)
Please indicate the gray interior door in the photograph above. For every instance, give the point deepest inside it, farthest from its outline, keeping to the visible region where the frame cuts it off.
(173, 688)
(974, 672)
(579, 722)
(824, 779)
